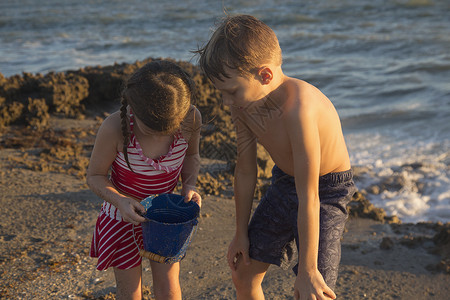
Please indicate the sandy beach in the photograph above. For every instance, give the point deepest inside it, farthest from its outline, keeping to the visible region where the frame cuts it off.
(48, 215)
(47, 220)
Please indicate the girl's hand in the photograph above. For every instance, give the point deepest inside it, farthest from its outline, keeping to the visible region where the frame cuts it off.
(190, 194)
(131, 210)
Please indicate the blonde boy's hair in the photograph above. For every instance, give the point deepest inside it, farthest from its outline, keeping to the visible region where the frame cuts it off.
(240, 42)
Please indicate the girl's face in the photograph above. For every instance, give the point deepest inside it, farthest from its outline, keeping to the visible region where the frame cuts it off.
(145, 130)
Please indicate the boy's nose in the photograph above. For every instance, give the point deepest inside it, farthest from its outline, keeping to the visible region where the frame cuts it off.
(227, 101)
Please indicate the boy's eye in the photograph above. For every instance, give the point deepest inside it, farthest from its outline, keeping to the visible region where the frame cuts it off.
(228, 92)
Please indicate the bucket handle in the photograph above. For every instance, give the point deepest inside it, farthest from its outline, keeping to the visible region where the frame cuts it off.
(152, 256)
(158, 258)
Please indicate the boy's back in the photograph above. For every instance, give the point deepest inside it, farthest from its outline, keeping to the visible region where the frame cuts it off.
(286, 113)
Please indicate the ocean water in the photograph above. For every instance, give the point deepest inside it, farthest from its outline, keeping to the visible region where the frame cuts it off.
(384, 64)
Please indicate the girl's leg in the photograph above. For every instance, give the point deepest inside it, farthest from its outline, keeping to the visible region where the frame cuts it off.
(166, 282)
(129, 283)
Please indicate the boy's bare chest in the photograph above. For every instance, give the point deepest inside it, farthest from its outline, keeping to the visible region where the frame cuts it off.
(272, 134)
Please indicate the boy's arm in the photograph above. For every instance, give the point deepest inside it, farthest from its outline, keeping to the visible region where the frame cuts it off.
(191, 164)
(304, 137)
(244, 187)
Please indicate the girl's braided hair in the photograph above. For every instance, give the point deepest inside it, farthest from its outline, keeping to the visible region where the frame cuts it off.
(160, 94)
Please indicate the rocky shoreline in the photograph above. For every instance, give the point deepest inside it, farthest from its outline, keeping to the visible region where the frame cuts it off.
(48, 125)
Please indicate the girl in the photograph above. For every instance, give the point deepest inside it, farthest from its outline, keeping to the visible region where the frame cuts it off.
(147, 145)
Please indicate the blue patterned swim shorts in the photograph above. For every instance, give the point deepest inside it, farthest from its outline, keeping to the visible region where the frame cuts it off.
(273, 228)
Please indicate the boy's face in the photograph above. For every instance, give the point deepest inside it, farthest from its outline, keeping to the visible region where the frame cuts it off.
(238, 91)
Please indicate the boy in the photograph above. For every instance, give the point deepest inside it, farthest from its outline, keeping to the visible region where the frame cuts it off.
(312, 181)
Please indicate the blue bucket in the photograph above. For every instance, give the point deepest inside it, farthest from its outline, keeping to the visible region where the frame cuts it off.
(170, 227)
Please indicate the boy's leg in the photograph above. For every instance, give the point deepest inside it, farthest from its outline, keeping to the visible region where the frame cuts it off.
(129, 283)
(166, 281)
(271, 236)
(248, 278)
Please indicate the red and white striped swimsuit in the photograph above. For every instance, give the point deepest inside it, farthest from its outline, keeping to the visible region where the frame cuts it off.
(114, 240)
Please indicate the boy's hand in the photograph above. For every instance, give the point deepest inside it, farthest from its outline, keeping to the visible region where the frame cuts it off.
(238, 250)
(312, 286)
(130, 210)
(192, 195)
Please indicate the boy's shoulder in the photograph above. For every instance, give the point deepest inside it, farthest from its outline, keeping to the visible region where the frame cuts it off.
(299, 87)
(298, 92)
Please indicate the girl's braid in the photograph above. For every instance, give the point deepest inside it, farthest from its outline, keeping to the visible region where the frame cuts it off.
(125, 132)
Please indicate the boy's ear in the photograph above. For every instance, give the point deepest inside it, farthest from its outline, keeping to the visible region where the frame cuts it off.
(265, 75)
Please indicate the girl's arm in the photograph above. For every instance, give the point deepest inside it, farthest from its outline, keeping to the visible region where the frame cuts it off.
(103, 154)
(191, 164)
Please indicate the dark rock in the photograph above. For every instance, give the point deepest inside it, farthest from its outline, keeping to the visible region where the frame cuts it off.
(386, 244)
(361, 207)
(442, 241)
